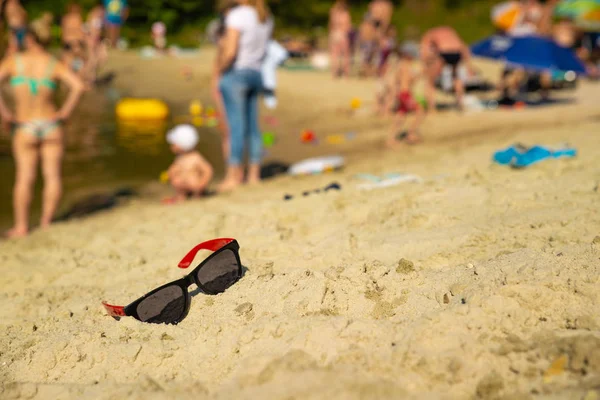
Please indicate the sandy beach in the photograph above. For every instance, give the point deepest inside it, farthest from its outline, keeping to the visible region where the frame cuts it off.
(479, 282)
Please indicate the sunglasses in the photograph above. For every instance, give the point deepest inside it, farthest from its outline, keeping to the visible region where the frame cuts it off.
(170, 304)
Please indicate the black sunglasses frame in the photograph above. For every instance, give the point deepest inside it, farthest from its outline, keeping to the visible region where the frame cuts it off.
(187, 281)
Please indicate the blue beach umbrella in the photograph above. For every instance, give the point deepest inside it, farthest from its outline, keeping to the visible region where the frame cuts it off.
(530, 52)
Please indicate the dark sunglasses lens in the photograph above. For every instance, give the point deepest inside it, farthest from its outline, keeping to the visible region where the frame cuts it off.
(220, 272)
(163, 307)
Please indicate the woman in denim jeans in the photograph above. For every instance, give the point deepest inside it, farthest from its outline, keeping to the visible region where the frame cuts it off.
(248, 30)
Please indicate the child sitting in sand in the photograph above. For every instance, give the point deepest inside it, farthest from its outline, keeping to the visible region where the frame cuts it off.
(404, 80)
(190, 173)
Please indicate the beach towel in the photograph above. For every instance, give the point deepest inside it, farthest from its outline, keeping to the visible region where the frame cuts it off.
(389, 180)
(519, 156)
(318, 165)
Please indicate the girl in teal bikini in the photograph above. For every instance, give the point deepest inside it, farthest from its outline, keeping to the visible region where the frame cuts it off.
(36, 129)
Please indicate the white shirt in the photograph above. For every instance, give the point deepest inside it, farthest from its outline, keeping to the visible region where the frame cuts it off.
(254, 37)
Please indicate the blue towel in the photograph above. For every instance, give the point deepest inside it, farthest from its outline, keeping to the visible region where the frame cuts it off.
(520, 157)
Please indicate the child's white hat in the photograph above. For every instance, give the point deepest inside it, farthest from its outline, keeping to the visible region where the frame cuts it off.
(183, 136)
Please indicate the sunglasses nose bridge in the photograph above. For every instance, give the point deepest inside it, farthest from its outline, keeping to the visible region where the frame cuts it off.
(190, 280)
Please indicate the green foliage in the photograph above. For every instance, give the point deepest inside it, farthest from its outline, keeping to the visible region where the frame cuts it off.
(469, 17)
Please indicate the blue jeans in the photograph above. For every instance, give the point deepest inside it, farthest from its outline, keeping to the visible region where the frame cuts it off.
(240, 90)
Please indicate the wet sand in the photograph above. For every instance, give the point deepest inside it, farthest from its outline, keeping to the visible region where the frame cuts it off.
(480, 282)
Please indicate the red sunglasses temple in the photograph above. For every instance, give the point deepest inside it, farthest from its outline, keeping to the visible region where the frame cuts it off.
(212, 245)
(114, 311)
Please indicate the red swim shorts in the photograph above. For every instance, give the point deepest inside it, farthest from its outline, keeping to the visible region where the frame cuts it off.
(406, 103)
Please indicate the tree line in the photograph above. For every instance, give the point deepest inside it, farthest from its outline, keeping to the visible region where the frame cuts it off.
(469, 16)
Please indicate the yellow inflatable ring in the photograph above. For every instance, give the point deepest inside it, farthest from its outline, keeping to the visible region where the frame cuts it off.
(142, 109)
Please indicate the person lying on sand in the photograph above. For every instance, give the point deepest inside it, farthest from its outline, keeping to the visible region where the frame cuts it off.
(190, 173)
(405, 79)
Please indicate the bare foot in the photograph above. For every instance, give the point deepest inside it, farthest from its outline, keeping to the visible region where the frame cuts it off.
(413, 138)
(45, 223)
(253, 181)
(228, 185)
(173, 200)
(15, 233)
(403, 139)
(253, 175)
(394, 144)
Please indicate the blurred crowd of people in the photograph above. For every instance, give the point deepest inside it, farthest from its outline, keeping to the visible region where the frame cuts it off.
(371, 49)
(84, 38)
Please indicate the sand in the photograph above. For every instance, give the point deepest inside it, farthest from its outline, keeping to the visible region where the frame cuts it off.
(480, 282)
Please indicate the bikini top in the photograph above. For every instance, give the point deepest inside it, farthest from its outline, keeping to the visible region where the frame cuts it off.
(33, 83)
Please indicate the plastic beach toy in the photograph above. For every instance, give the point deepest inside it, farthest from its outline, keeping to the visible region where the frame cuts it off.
(308, 136)
(196, 108)
(519, 156)
(355, 103)
(268, 139)
(211, 112)
(198, 121)
(164, 177)
(319, 165)
(336, 139)
(142, 109)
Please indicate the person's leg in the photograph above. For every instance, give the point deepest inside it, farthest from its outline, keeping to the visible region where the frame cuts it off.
(113, 34)
(255, 152)
(433, 69)
(52, 151)
(430, 94)
(25, 152)
(335, 56)
(234, 93)
(459, 90)
(392, 140)
(346, 57)
(67, 58)
(362, 59)
(178, 184)
(224, 125)
(546, 84)
(380, 99)
(414, 135)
